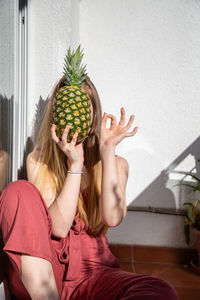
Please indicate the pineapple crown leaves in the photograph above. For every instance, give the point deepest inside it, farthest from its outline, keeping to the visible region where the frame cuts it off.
(74, 71)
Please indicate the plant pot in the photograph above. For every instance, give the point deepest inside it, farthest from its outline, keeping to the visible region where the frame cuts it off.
(195, 269)
(197, 233)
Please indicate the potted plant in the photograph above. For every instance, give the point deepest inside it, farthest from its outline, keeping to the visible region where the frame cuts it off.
(192, 219)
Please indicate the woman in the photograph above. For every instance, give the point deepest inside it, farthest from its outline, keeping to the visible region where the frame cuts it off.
(54, 224)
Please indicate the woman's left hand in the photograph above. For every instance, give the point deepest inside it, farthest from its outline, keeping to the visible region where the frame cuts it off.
(117, 132)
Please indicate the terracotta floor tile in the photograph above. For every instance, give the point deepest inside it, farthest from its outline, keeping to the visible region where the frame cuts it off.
(178, 276)
(166, 263)
(150, 268)
(163, 254)
(126, 266)
(122, 252)
(188, 293)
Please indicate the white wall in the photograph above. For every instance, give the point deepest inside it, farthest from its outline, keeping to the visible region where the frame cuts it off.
(143, 55)
(6, 48)
(50, 34)
(144, 228)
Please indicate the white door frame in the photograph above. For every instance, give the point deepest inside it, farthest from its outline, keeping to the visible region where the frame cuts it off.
(20, 86)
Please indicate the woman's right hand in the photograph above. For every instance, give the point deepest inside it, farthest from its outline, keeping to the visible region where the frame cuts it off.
(74, 152)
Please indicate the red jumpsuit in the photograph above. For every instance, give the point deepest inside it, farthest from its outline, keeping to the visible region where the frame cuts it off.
(83, 266)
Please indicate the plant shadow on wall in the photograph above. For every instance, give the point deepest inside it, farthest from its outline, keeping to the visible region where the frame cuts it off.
(159, 196)
(39, 114)
(6, 109)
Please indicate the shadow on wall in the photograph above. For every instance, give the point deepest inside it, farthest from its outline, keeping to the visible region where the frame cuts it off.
(160, 194)
(39, 115)
(6, 109)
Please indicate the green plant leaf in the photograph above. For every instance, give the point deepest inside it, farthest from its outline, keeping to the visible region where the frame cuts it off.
(193, 176)
(190, 214)
(187, 203)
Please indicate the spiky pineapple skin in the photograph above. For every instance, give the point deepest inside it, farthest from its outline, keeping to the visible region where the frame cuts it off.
(72, 107)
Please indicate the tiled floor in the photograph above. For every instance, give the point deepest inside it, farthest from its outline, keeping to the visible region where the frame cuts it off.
(170, 264)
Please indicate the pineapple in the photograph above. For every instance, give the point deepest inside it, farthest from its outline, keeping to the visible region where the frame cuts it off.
(72, 104)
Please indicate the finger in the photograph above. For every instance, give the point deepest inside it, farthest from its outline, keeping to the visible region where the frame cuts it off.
(65, 134)
(129, 122)
(133, 132)
(104, 119)
(53, 133)
(122, 120)
(74, 139)
(113, 123)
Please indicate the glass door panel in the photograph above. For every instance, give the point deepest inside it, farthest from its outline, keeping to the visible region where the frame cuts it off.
(6, 89)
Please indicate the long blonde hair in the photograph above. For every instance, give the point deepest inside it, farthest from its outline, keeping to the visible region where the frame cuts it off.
(54, 163)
